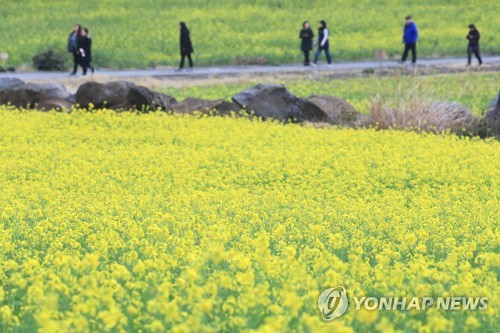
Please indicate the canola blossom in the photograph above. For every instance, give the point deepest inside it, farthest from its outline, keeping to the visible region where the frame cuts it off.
(150, 223)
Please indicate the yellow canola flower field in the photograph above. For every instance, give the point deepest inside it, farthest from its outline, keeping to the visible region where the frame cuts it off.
(151, 223)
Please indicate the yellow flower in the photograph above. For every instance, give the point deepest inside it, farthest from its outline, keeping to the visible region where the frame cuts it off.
(410, 239)
(6, 313)
(118, 221)
(367, 317)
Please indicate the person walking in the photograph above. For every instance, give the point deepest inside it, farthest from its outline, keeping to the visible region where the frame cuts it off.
(307, 35)
(474, 36)
(73, 40)
(410, 38)
(186, 46)
(323, 44)
(85, 50)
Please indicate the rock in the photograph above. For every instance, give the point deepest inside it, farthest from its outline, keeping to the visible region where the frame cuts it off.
(144, 99)
(270, 101)
(55, 91)
(123, 106)
(111, 95)
(489, 125)
(364, 120)
(54, 104)
(11, 69)
(9, 82)
(2, 70)
(493, 110)
(192, 105)
(333, 110)
(225, 108)
(449, 115)
(26, 95)
(72, 99)
(121, 95)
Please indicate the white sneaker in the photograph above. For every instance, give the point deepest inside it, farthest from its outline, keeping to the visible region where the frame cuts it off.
(313, 65)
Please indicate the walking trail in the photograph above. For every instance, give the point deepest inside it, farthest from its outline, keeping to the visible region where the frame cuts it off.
(239, 70)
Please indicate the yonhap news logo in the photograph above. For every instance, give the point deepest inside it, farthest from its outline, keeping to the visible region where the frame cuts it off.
(333, 303)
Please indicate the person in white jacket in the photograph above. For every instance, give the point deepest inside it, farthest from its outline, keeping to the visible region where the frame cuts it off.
(323, 44)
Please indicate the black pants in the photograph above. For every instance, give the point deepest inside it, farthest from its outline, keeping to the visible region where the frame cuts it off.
(183, 57)
(474, 50)
(76, 61)
(85, 66)
(410, 47)
(306, 57)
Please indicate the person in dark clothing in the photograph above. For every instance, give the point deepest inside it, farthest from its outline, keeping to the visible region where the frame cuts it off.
(186, 46)
(474, 36)
(73, 40)
(85, 50)
(307, 35)
(410, 38)
(323, 44)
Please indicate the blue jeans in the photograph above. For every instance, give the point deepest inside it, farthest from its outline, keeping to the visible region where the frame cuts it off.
(326, 48)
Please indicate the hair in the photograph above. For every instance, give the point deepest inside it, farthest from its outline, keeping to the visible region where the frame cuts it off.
(79, 31)
(304, 24)
(323, 23)
(408, 17)
(472, 26)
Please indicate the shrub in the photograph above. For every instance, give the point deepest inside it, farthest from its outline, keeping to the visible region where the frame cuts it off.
(416, 110)
(50, 60)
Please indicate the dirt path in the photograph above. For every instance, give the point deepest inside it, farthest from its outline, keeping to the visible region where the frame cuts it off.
(207, 75)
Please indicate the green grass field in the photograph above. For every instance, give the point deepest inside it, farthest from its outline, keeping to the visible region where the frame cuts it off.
(474, 90)
(145, 32)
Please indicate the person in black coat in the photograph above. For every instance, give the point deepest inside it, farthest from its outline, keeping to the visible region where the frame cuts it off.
(186, 46)
(85, 50)
(306, 35)
(73, 40)
(474, 36)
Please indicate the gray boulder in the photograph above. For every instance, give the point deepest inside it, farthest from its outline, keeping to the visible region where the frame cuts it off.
(7, 85)
(490, 123)
(144, 99)
(122, 95)
(9, 82)
(493, 111)
(111, 95)
(192, 105)
(364, 120)
(270, 101)
(333, 110)
(225, 108)
(450, 115)
(56, 91)
(27, 95)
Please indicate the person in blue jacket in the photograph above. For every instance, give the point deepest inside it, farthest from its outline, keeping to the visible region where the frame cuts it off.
(410, 38)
